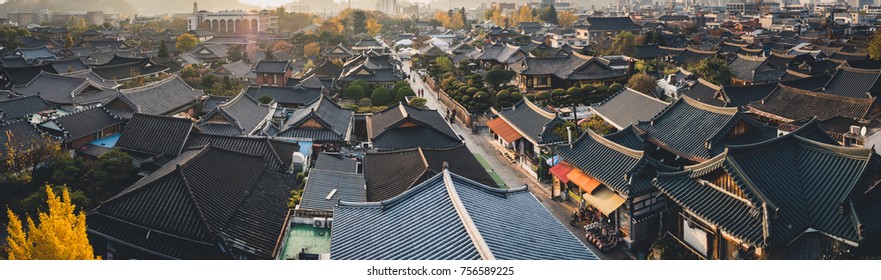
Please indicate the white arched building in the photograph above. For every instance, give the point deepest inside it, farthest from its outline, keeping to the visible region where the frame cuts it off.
(236, 22)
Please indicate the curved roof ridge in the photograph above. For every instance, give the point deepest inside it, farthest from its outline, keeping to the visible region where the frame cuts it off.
(700, 51)
(710, 108)
(828, 95)
(859, 70)
(615, 146)
(538, 110)
(751, 58)
(708, 84)
(153, 85)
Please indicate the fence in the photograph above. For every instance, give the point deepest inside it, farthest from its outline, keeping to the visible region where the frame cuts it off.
(461, 113)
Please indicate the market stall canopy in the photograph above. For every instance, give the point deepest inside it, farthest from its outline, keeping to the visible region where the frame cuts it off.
(504, 130)
(561, 170)
(604, 199)
(583, 181)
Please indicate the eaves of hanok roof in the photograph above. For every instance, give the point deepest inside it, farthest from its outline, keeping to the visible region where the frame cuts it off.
(403, 112)
(854, 82)
(327, 113)
(736, 217)
(255, 120)
(628, 107)
(690, 129)
(538, 122)
(787, 104)
(459, 219)
(810, 129)
(610, 163)
(806, 185)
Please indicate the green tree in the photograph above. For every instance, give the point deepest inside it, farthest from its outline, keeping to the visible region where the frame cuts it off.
(714, 70)
(363, 85)
(642, 83)
(381, 96)
(549, 15)
(399, 85)
(163, 50)
(354, 92)
(365, 102)
(875, 46)
(60, 234)
(418, 102)
(616, 87)
(359, 22)
(497, 77)
(624, 43)
(186, 42)
(235, 53)
(403, 93)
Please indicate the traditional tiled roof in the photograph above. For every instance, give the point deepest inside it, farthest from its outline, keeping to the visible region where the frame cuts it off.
(404, 127)
(788, 104)
(155, 135)
(705, 92)
(15, 108)
(753, 69)
(697, 131)
(278, 155)
(500, 53)
(207, 203)
(736, 96)
(242, 116)
(82, 123)
(165, 97)
(785, 186)
(334, 122)
(272, 66)
(574, 67)
(611, 24)
(648, 52)
(71, 89)
(628, 107)
(532, 122)
(389, 174)
(690, 55)
(324, 188)
(295, 95)
(143, 67)
(853, 82)
(450, 217)
(336, 162)
(24, 134)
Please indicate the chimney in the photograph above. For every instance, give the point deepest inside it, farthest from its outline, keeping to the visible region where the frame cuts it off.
(569, 133)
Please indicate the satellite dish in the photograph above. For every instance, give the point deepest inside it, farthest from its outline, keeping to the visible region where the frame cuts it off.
(863, 131)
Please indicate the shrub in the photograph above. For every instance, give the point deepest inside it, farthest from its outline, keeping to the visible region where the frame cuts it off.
(543, 95)
(616, 87)
(516, 96)
(264, 99)
(530, 96)
(403, 93)
(503, 95)
(587, 89)
(418, 102)
(354, 92)
(481, 95)
(602, 89)
(381, 96)
(472, 90)
(365, 102)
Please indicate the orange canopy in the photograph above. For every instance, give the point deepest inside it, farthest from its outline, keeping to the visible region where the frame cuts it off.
(504, 130)
(583, 181)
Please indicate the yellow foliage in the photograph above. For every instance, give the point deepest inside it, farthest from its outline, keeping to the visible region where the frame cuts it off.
(186, 42)
(61, 234)
(311, 49)
(373, 27)
(457, 22)
(525, 15)
(566, 18)
(443, 18)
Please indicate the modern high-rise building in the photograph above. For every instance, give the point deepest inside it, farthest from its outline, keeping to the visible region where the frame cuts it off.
(388, 7)
(547, 3)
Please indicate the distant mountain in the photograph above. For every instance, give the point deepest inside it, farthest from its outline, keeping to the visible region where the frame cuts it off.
(109, 6)
(154, 7)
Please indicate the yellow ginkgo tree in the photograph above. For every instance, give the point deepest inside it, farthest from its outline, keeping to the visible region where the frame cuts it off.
(60, 235)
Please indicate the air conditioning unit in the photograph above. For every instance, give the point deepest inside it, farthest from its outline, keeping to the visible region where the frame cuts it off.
(322, 222)
(319, 223)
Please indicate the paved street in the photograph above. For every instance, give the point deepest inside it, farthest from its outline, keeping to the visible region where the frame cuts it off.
(512, 175)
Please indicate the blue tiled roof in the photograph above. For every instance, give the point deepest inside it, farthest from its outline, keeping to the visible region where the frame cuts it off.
(423, 224)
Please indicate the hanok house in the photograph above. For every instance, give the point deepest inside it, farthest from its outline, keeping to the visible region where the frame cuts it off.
(616, 180)
(787, 104)
(785, 198)
(750, 70)
(377, 71)
(596, 29)
(295, 96)
(389, 174)
(854, 82)
(136, 68)
(535, 74)
(450, 217)
(21, 135)
(405, 127)
(323, 121)
(524, 133)
(273, 73)
(689, 132)
(207, 203)
(628, 107)
(236, 71)
(30, 108)
(169, 97)
(69, 91)
(498, 54)
(241, 115)
(79, 128)
(338, 53)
